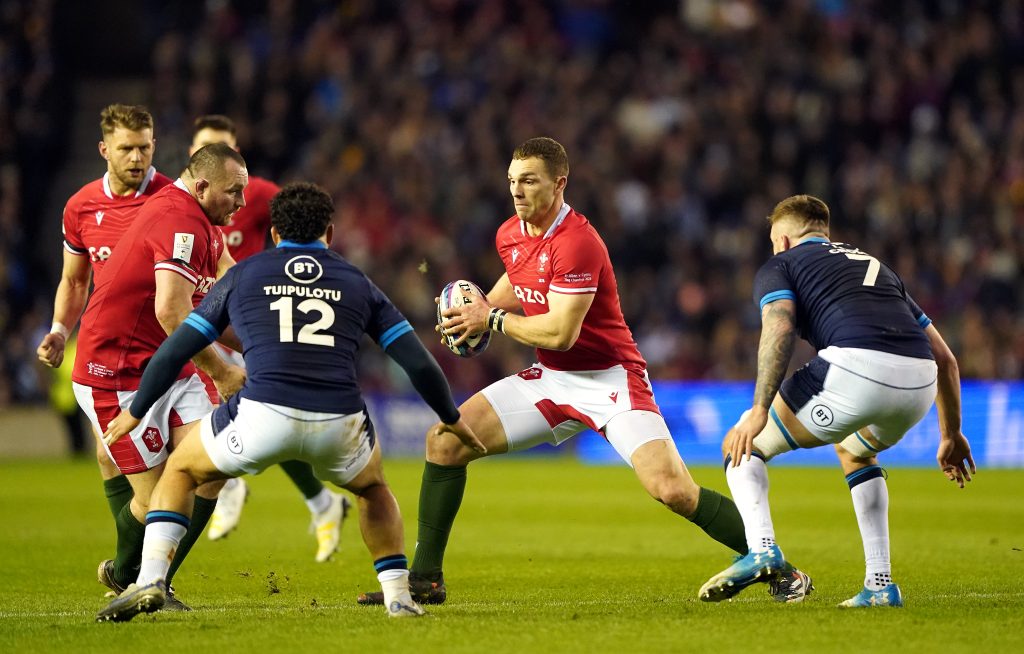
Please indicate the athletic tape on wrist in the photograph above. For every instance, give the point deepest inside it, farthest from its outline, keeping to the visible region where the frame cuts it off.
(496, 320)
(59, 328)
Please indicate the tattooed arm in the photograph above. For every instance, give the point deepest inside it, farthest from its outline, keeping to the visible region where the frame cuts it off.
(778, 338)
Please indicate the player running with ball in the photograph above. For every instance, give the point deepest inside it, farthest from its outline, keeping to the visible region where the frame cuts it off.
(589, 373)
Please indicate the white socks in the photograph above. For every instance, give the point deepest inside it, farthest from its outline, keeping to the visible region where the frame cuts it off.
(319, 502)
(871, 502)
(748, 484)
(395, 584)
(158, 550)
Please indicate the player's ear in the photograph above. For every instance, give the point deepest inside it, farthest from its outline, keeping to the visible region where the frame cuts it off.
(560, 183)
(103, 150)
(275, 236)
(329, 234)
(201, 185)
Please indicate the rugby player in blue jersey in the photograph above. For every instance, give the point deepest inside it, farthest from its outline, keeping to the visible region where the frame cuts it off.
(881, 364)
(300, 311)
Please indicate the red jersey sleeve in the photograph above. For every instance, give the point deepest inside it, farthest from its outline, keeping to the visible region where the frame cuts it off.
(69, 227)
(576, 269)
(179, 246)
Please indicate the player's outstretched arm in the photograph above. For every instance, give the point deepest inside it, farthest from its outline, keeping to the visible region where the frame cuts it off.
(778, 338)
(954, 455)
(407, 351)
(72, 292)
(158, 377)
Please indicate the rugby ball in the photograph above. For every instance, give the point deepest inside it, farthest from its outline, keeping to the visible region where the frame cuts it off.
(455, 294)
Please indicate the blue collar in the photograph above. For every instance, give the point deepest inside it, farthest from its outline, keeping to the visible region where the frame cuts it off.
(815, 239)
(317, 245)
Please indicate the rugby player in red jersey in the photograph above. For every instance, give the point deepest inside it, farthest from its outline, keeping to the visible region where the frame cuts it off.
(246, 233)
(94, 219)
(143, 294)
(589, 372)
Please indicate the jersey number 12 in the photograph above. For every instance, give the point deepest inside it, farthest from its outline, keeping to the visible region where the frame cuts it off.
(310, 334)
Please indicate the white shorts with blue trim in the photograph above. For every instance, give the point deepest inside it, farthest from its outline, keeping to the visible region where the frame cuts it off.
(845, 390)
(260, 434)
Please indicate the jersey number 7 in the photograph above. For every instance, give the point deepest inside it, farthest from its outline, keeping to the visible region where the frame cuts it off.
(873, 267)
(310, 334)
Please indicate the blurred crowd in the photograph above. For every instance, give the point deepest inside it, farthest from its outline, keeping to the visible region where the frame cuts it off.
(684, 120)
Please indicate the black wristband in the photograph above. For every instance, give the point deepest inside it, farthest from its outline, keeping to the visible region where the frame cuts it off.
(496, 320)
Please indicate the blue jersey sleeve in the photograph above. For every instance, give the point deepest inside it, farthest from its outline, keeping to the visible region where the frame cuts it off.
(919, 314)
(772, 283)
(386, 322)
(211, 316)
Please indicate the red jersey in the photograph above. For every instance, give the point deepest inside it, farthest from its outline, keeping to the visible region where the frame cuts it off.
(247, 232)
(120, 331)
(570, 258)
(95, 218)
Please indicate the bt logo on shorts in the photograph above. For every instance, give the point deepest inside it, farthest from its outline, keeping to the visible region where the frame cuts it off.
(822, 415)
(235, 442)
(153, 440)
(530, 295)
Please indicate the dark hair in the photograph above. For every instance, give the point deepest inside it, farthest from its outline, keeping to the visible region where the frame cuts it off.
(301, 212)
(208, 161)
(806, 209)
(133, 117)
(215, 122)
(548, 150)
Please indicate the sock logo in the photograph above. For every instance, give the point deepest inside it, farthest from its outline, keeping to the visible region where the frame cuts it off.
(614, 396)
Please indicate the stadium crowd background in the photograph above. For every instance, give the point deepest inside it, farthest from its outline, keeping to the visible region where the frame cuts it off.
(684, 122)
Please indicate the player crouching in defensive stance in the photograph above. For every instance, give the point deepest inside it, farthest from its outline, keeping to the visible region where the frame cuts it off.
(880, 364)
(300, 312)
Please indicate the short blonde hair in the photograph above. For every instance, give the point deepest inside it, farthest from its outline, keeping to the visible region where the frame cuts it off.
(131, 117)
(805, 209)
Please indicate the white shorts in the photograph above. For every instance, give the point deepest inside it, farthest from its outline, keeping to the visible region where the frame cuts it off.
(146, 446)
(844, 390)
(250, 436)
(541, 405)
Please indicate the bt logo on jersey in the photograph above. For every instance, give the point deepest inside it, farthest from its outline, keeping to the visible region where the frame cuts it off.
(528, 295)
(303, 269)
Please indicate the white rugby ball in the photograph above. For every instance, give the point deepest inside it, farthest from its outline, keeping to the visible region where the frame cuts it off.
(455, 294)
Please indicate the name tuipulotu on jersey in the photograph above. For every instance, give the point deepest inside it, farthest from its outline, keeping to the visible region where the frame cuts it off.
(303, 291)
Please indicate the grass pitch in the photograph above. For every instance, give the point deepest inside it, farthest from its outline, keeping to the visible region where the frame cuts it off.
(547, 556)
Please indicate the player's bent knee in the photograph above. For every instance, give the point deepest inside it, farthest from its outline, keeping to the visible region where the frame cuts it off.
(771, 442)
(446, 449)
(863, 447)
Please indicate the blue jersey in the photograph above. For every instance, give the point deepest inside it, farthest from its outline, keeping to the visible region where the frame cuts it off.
(844, 297)
(300, 312)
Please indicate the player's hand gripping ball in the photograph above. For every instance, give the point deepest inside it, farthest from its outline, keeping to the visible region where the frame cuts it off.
(455, 294)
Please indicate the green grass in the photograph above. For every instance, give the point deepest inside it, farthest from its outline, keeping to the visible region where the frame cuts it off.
(547, 556)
